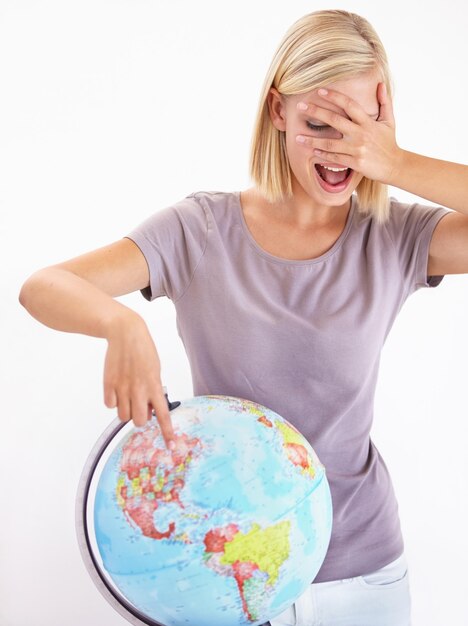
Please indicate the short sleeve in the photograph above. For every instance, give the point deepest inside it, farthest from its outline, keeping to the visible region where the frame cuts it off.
(173, 241)
(411, 227)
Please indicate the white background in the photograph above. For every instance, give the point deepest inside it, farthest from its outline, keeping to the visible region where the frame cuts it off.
(113, 109)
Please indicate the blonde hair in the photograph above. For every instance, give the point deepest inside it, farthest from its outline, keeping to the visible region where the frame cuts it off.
(319, 48)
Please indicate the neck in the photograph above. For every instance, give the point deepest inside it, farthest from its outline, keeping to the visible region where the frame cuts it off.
(300, 212)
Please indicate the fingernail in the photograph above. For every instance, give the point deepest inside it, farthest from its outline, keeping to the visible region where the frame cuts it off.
(323, 92)
(302, 106)
(171, 445)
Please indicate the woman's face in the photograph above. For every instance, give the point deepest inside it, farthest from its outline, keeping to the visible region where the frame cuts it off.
(286, 117)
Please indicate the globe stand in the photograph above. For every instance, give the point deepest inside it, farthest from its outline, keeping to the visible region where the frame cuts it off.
(82, 518)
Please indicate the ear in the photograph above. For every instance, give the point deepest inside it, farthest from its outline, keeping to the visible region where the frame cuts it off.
(277, 108)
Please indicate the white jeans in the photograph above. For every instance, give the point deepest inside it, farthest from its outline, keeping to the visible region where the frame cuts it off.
(381, 598)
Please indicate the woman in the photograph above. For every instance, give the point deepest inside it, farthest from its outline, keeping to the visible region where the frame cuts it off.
(286, 291)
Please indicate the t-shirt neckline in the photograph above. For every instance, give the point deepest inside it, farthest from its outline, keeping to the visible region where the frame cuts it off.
(271, 257)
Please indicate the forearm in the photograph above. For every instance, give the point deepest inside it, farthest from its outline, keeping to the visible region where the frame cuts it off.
(442, 182)
(62, 300)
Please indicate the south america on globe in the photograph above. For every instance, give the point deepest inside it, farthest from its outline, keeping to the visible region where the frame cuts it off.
(228, 529)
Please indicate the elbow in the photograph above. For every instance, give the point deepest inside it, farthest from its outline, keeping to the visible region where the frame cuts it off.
(23, 294)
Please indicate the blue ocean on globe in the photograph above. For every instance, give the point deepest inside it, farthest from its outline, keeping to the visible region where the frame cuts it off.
(229, 529)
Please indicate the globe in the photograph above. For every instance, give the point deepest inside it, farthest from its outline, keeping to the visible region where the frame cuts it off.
(228, 529)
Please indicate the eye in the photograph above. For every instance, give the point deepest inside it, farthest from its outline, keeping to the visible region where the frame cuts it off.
(318, 128)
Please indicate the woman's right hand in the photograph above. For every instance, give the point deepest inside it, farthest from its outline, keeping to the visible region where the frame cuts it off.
(132, 375)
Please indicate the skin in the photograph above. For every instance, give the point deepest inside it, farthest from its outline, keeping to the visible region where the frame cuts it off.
(311, 206)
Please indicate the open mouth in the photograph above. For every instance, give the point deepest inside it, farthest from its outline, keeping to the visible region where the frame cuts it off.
(333, 181)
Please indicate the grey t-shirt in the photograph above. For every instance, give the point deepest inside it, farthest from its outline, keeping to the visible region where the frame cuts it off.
(302, 337)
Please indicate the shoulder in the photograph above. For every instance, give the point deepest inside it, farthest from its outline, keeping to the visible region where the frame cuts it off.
(217, 205)
(213, 198)
(412, 217)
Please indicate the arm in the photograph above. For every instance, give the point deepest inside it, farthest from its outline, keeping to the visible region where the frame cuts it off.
(64, 301)
(442, 182)
(77, 296)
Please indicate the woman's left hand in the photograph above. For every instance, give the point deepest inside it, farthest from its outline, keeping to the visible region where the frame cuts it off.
(367, 146)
